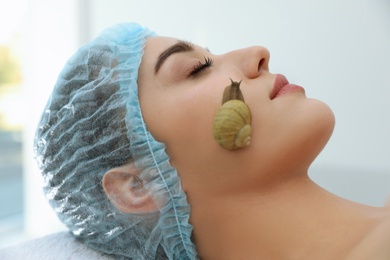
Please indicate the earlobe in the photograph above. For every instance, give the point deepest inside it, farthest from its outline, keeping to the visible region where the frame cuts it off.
(126, 191)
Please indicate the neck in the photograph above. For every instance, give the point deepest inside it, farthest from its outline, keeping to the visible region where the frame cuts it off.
(292, 219)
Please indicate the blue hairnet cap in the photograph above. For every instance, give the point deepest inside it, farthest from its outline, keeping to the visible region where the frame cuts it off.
(93, 123)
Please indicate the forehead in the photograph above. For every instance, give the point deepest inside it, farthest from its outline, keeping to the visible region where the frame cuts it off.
(155, 45)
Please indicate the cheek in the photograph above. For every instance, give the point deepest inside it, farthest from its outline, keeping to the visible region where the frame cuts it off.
(180, 121)
(187, 133)
(192, 122)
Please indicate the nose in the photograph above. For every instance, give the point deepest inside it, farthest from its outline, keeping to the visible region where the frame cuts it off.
(250, 61)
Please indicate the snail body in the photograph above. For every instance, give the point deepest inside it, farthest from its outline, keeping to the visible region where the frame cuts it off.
(232, 122)
(232, 91)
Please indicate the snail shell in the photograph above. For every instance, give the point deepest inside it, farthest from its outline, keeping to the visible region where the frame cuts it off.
(232, 125)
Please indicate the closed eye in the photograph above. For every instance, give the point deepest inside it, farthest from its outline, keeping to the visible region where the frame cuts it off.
(208, 62)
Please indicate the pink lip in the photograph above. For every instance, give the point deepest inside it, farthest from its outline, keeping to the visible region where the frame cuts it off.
(282, 86)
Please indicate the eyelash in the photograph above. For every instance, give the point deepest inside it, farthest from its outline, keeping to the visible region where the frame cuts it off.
(208, 62)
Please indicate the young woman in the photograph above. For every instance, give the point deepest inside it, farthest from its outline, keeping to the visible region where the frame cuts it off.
(131, 166)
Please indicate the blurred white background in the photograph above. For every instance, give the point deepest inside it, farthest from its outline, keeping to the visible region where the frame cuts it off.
(338, 50)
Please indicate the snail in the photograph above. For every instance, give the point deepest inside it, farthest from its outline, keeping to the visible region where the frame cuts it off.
(232, 122)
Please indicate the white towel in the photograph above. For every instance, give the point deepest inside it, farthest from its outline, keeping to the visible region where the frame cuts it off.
(56, 246)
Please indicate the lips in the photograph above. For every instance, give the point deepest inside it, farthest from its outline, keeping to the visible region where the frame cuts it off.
(282, 86)
(280, 82)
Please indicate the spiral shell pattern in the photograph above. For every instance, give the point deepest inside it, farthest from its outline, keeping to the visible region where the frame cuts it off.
(232, 122)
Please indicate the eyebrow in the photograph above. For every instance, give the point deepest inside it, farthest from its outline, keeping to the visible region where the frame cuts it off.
(180, 46)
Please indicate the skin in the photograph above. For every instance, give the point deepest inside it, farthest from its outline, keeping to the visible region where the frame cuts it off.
(169, 100)
(257, 202)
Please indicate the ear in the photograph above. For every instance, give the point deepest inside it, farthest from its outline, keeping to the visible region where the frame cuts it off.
(126, 191)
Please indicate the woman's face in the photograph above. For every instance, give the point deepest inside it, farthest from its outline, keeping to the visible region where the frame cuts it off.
(180, 90)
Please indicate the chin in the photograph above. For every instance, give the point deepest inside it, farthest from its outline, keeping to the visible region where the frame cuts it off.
(310, 132)
(321, 125)
(297, 139)
(325, 118)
